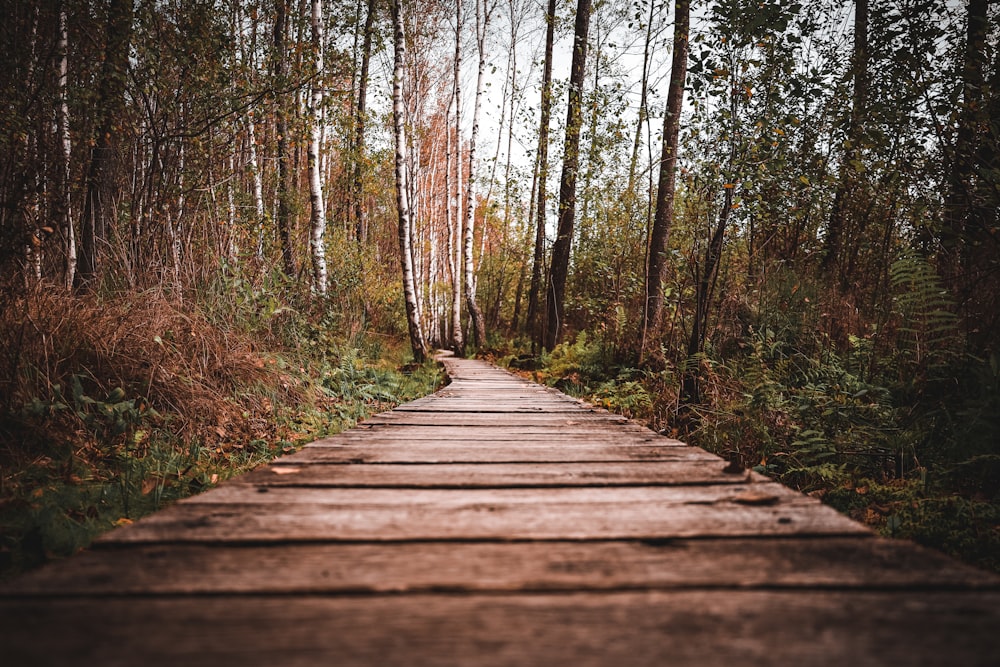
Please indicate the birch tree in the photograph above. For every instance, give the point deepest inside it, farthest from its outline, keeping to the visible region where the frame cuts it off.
(318, 211)
(360, 111)
(455, 256)
(402, 188)
(65, 204)
(284, 195)
(484, 10)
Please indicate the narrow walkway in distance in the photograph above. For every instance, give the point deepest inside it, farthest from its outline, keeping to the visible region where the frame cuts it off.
(498, 522)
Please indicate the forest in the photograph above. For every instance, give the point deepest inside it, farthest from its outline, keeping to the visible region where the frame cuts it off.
(770, 228)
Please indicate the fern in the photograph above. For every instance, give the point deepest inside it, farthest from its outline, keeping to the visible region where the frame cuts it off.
(929, 326)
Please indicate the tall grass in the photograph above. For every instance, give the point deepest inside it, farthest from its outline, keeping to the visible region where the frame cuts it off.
(112, 405)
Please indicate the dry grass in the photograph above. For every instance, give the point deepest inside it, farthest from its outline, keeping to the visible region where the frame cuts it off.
(162, 354)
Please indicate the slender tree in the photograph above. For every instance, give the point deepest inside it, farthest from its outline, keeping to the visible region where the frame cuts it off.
(360, 120)
(65, 204)
(851, 164)
(98, 212)
(280, 71)
(455, 193)
(318, 211)
(484, 10)
(559, 267)
(541, 177)
(402, 187)
(656, 266)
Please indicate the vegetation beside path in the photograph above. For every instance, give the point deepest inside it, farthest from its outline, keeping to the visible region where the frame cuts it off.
(907, 448)
(115, 406)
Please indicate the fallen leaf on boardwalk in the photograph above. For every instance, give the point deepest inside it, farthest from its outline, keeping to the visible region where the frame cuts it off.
(283, 470)
(756, 498)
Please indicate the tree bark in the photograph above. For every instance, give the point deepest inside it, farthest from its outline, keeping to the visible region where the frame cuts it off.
(65, 222)
(318, 210)
(656, 267)
(280, 71)
(455, 257)
(361, 109)
(691, 381)
(847, 182)
(475, 313)
(97, 211)
(541, 176)
(559, 268)
(402, 189)
(643, 102)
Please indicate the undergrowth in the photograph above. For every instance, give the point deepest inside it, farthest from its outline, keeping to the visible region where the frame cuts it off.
(904, 436)
(112, 406)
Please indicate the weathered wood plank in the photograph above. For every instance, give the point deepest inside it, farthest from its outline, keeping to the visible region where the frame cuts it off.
(241, 513)
(822, 563)
(503, 432)
(703, 628)
(555, 420)
(497, 475)
(361, 549)
(480, 451)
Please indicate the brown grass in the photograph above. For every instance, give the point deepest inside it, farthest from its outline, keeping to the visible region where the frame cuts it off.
(161, 353)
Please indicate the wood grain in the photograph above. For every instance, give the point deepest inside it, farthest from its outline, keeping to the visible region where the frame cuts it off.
(408, 567)
(703, 628)
(242, 513)
(493, 475)
(498, 522)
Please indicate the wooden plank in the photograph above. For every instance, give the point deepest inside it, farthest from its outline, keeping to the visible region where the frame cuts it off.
(494, 408)
(240, 513)
(410, 567)
(495, 437)
(503, 432)
(493, 475)
(677, 628)
(555, 420)
(479, 451)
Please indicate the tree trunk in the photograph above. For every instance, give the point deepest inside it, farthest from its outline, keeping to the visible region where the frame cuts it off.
(280, 70)
(65, 222)
(691, 382)
(656, 267)
(475, 313)
(402, 189)
(567, 189)
(457, 337)
(643, 102)
(541, 176)
(318, 210)
(97, 210)
(357, 180)
(849, 168)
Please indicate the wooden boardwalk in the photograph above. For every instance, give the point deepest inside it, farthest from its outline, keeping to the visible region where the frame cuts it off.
(497, 522)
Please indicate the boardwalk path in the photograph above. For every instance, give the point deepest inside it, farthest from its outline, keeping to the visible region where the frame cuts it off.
(500, 523)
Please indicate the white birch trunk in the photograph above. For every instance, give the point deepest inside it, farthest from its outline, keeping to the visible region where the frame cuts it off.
(402, 188)
(258, 185)
(318, 217)
(67, 149)
(233, 248)
(478, 325)
(457, 337)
